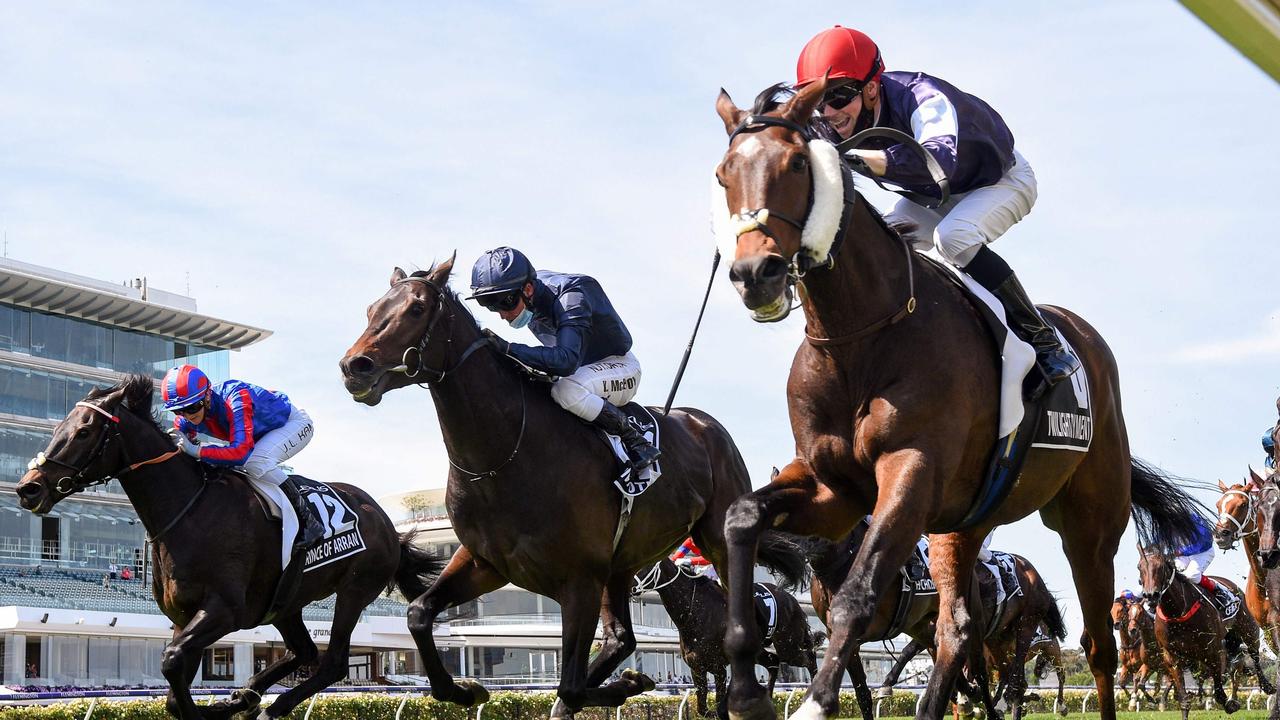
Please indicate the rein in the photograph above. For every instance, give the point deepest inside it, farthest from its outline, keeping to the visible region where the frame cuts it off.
(652, 580)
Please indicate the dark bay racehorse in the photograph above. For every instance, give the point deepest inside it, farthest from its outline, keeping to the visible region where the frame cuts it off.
(530, 492)
(893, 405)
(700, 610)
(1239, 519)
(1190, 632)
(217, 554)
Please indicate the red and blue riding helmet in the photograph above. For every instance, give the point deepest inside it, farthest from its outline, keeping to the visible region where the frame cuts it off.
(184, 386)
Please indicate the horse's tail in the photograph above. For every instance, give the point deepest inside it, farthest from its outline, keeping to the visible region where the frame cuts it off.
(785, 558)
(1053, 620)
(418, 568)
(1165, 515)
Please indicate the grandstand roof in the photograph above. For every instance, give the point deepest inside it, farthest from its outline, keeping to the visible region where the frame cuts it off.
(136, 308)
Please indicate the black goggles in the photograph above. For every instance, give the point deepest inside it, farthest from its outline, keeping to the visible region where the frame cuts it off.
(501, 302)
(839, 98)
(190, 409)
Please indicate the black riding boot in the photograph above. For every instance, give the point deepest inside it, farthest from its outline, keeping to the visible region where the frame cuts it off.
(312, 530)
(993, 273)
(614, 421)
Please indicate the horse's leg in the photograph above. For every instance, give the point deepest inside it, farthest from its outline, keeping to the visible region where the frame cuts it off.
(301, 651)
(1091, 552)
(1256, 657)
(1178, 682)
(334, 664)
(700, 688)
(908, 653)
(1061, 671)
(619, 640)
(182, 656)
(771, 665)
(465, 578)
(722, 692)
(1016, 686)
(579, 610)
(858, 676)
(1218, 672)
(794, 502)
(951, 562)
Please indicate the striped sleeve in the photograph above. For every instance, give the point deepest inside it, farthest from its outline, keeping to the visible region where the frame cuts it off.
(240, 445)
(936, 127)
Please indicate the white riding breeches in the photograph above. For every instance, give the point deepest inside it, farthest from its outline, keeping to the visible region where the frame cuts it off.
(972, 219)
(615, 378)
(984, 553)
(1193, 567)
(277, 446)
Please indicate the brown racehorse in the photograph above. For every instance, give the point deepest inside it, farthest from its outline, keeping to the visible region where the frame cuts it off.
(1239, 518)
(1268, 552)
(893, 406)
(698, 607)
(1140, 627)
(530, 490)
(1189, 631)
(217, 554)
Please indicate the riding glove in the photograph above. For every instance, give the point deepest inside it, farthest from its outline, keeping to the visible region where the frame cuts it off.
(496, 342)
(187, 445)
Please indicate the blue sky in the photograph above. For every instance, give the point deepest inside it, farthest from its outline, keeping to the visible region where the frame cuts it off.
(279, 159)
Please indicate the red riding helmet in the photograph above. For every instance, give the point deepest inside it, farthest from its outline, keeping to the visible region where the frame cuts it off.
(844, 51)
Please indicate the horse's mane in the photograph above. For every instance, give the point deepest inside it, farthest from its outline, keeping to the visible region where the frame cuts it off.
(771, 98)
(138, 391)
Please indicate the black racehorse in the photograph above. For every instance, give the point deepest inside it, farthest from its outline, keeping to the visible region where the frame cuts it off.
(217, 552)
(530, 492)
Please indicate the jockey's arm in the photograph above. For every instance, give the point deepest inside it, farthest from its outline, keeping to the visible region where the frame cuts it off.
(240, 445)
(935, 126)
(561, 359)
(875, 160)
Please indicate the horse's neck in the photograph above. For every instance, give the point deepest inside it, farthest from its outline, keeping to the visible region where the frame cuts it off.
(1257, 574)
(478, 403)
(159, 491)
(677, 598)
(1184, 595)
(870, 279)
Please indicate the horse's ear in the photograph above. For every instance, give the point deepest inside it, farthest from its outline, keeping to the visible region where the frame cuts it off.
(397, 275)
(774, 475)
(1255, 480)
(801, 106)
(1221, 487)
(728, 112)
(439, 275)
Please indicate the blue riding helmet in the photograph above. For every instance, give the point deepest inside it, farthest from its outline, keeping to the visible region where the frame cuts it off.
(501, 270)
(1269, 447)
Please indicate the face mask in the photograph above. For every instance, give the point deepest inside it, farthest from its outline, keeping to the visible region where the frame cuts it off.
(521, 320)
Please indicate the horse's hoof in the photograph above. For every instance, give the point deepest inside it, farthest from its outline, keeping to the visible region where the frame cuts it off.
(559, 711)
(882, 693)
(474, 690)
(1231, 706)
(645, 682)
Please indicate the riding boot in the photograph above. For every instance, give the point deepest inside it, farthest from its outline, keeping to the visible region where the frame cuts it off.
(1221, 596)
(614, 421)
(312, 529)
(993, 273)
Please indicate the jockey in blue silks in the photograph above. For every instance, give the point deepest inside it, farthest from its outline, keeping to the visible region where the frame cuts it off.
(261, 427)
(584, 342)
(1192, 560)
(992, 185)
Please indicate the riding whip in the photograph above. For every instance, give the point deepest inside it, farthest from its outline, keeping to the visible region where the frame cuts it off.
(715, 263)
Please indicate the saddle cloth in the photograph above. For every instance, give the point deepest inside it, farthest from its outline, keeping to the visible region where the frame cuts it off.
(1059, 419)
(1232, 606)
(766, 611)
(628, 482)
(342, 537)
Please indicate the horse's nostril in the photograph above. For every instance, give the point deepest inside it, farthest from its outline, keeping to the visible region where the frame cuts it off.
(359, 365)
(29, 490)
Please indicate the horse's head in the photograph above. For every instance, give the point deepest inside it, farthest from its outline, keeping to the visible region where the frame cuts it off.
(1119, 607)
(1236, 516)
(783, 197)
(394, 349)
(1268, 509)
(87, 447)
(1136, 618)
(1155, 567)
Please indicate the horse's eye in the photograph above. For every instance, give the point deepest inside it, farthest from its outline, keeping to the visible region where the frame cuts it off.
(82, 433)
(417, 309)
(799, 163)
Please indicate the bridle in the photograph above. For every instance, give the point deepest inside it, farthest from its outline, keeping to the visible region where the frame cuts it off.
(748, 220)
(1250, 515)
(420, 349)
(70, 484)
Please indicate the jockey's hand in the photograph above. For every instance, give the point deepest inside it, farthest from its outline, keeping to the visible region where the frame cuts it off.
(496, 342)
(186, 444)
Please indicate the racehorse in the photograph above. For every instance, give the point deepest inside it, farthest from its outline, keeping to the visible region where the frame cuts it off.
(893, 405)
(1239, 518)
(1139, 627)
(217, 553)
(1190, 632)
(1133, 653)
(530, 490)
(698, 607)
(1048, 654)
